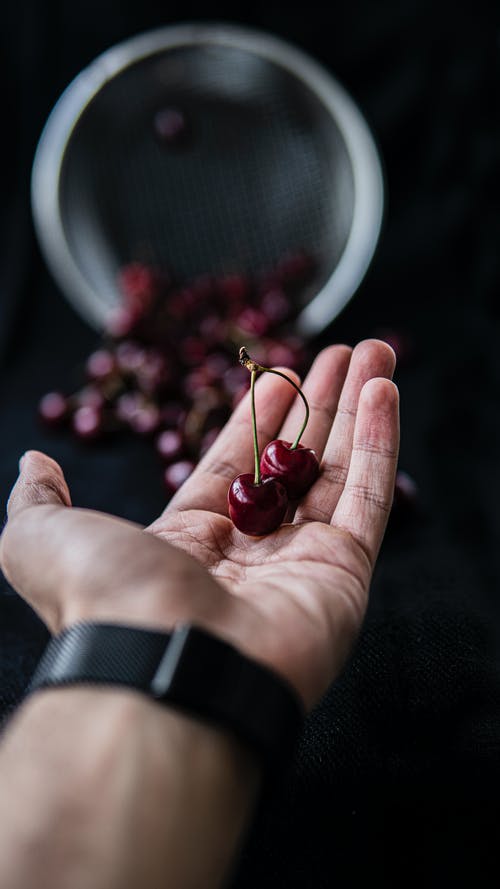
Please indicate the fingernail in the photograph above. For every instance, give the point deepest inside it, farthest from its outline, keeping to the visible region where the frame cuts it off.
(22, 461)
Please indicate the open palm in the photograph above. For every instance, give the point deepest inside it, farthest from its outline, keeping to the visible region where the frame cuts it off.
(294, 599)
(305, 585)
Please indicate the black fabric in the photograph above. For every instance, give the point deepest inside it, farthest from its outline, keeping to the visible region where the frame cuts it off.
(397, 778)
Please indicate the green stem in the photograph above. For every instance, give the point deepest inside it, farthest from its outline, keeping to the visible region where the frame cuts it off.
(257, 477)
(253, 367)
(278, 373)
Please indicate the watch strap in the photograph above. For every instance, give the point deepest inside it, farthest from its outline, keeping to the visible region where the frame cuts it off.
(190, 669)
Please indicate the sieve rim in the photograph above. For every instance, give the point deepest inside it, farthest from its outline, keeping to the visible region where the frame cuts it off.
(364, 157)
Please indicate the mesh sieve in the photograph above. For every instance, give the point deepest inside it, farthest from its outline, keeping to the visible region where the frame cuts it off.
(279, 158)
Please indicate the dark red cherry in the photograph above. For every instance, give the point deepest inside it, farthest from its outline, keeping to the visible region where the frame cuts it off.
(296, 469)
(139, 285)
(256, 509)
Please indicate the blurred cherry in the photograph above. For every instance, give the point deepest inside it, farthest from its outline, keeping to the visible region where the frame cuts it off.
(53, 408)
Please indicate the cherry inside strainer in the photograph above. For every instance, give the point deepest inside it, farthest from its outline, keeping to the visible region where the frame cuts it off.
(279, 158)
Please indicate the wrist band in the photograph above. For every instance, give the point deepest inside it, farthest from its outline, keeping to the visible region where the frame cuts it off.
(190, 669)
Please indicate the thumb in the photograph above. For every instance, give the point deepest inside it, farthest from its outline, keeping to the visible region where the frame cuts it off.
(25, 559)
(40, 481)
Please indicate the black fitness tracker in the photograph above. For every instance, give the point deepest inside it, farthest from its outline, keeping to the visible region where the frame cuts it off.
(190, 669)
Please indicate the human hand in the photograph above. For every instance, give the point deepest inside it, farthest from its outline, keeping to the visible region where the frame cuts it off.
(295, 599)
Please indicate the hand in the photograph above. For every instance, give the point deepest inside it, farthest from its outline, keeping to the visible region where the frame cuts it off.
(295, 599)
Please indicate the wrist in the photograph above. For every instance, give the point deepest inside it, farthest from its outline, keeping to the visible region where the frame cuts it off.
(189, 669)
(97, 766)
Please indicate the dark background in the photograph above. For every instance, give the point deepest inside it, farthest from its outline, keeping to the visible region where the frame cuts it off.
(396, 779)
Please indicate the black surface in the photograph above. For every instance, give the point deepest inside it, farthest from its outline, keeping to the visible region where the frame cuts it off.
(397, 777)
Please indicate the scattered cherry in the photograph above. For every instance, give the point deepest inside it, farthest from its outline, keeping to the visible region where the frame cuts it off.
(122, 321)
(177, 473)
(90, 396)
(169, 445)
(53, 408)
(165, 362)
(139, 285)
(87, 423)
(406, 494)
(275, 305)
(146, 419)
(296, 468)
(100, 364)
(253, 321)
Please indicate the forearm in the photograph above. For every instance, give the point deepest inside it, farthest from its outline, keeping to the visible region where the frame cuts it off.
(105, 788)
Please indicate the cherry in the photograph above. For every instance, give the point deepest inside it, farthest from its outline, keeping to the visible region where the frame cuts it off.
(170, 125)
(295, 267)
(90, 396)
(234, 289)
(257, 508)
(296, 468)
(170, 445)
(192, 350)
(87, 423)
(253, 321)
(275, 305)
(257, 505)
(53, 408)
(122, 321)
(100, 365)
(406, 494)
(152, 372)
(139, 285)
(146, 419)
(129, 356)
(176, 474)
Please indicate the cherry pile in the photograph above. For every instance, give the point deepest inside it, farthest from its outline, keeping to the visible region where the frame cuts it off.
(165, 368)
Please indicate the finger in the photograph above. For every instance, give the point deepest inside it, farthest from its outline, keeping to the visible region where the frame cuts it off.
(40, 480)
(25, 554)
(370, 358)
(232, 452)
(322, 388)
(365, 503)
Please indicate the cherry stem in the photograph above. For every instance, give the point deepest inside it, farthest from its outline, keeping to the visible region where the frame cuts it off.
(257, 477)
(253, 367)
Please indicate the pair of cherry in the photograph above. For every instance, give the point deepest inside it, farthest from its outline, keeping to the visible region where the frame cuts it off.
(258, 502)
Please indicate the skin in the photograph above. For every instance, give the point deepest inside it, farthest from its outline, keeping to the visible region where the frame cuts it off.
(103, 788)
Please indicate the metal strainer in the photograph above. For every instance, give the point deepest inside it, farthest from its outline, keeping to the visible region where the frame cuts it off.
(279, 158)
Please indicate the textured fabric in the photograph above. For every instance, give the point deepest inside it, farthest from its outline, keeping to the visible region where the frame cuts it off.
(396, 778)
